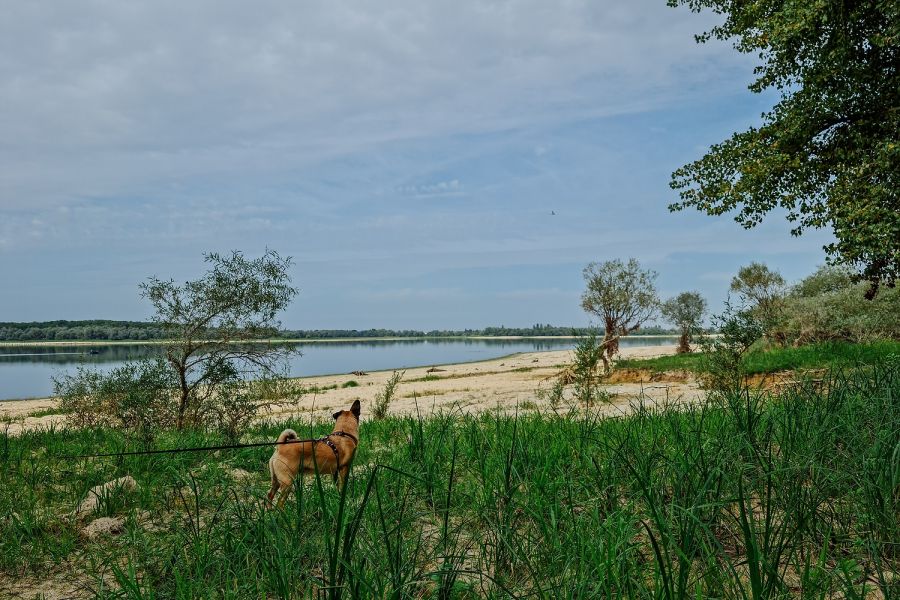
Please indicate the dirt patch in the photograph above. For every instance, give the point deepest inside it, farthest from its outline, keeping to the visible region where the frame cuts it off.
(96, 494)
(104, 526)
(780, 380)
(53, 587)
(648, 376)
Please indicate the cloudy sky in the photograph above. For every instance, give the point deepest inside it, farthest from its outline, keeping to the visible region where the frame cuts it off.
(409, 155)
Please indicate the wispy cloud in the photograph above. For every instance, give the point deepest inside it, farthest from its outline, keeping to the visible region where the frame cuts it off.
(137, 135)
(426, 190)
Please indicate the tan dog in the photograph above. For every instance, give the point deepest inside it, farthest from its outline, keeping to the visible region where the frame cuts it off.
(331, 454)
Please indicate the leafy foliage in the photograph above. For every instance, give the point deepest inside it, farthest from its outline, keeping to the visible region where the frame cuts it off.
(212, 377)
(385, 396)
(135, 397)
(828, 152)
(829, 305)
(723, 356)
(623, 295)
(587, 356)
(685, 310)
(211, 320)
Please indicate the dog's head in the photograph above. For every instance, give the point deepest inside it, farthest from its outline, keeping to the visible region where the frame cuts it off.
(352, 414)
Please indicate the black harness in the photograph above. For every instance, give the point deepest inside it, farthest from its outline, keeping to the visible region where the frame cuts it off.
(327, 441)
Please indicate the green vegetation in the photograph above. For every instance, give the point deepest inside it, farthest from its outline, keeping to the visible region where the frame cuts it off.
(583, 374)
(623, 296)
(814, 356)
(746, 496)
(211, 376)
(829, 305)
(686, 310)
(828, 152)
(386, 395)
(97, 330)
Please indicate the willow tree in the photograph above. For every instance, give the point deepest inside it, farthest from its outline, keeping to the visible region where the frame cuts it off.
(761, 290)
(623, 296)
(828, 153)
(215, 326)
(686, 311)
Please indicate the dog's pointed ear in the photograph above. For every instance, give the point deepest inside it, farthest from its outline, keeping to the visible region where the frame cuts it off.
(337, 414)
(355, 409)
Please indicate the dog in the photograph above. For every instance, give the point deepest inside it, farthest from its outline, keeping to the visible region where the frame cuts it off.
(331, 454)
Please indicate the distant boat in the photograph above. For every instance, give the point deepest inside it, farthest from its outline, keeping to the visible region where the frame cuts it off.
(94, 351)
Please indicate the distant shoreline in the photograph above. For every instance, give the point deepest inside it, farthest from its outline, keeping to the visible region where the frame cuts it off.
(88, 343)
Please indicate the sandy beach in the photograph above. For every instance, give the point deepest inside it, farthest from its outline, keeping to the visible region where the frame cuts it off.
(509, 384)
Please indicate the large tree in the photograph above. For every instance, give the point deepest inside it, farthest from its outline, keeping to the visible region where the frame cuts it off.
(623, 295)
(829, 151)
(215, 324)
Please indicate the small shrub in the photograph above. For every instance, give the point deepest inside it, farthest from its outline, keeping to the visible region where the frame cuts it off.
(384, 397)
(142, 398)
(723, 363)
(136, 397)
(350, 384)
(588, 354)
(553, 396)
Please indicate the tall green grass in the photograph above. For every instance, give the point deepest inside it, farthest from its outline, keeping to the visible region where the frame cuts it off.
(813, 356)
(748, 496)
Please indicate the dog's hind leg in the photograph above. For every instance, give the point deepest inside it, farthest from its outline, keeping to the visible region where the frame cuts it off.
(285, 492)
(273, 490)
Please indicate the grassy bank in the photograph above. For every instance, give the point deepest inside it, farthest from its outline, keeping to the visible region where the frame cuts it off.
(744, 497)
(814, 356)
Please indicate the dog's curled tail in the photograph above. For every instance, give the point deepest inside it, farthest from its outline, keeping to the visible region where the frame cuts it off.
(287, 435)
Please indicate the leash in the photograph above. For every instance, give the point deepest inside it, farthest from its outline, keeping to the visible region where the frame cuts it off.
(323, 439)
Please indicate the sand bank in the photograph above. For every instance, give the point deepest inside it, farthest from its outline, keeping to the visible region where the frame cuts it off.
(504, 383)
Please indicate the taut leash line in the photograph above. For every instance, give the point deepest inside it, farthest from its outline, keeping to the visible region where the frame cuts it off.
(204, 448)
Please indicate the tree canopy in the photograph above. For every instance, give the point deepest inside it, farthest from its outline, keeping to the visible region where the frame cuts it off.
(623, 295)
(829, 151)
(209, 322)
(685, 310)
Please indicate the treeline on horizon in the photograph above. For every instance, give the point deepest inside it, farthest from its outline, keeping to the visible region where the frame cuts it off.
(105, 330)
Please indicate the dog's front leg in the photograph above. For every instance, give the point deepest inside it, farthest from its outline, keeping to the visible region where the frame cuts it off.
(342, 477)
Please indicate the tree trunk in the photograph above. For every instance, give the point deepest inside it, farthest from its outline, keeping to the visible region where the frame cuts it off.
(185, 395)
(610, 343)
(684, 343)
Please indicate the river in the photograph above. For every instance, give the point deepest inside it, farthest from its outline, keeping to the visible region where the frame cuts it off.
(27, 371)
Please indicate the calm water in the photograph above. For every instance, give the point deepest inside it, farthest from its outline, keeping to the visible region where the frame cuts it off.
(26, 372)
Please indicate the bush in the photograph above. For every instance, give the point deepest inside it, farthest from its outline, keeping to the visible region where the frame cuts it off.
(829, 306)
(142, 397)
(588, 354)
(723, 356)
(384, 397)
(136, 397)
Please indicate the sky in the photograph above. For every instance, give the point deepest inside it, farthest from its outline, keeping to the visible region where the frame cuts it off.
(428, 165)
